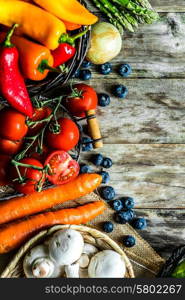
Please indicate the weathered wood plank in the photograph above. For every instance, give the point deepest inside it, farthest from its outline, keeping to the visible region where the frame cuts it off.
(153, 174)
(154, 51)
(165, 231)
(153, 112)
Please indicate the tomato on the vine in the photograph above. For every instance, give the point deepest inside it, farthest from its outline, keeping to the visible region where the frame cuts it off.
(12, 124)
(4, 165)
(83, 99)
(38, 115)
(32, 178)
(62, 168)
(9, 147)
(67, 138)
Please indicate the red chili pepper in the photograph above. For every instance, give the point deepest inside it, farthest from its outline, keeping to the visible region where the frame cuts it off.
(66, 49)
(12, 85)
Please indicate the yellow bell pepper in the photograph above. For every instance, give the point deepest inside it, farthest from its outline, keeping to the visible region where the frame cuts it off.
(33, 22)
(68, 10)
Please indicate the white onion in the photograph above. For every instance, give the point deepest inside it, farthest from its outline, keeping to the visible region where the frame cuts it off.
(106, 43)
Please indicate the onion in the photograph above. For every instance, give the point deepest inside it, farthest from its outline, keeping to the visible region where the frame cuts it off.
(106, 43)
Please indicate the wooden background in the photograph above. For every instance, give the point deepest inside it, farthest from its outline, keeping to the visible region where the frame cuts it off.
(145, 133)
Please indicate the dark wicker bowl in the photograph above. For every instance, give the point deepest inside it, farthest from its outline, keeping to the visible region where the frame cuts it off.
(175, 259)
(54, 80)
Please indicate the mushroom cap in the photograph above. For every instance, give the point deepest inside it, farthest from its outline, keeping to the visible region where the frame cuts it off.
(106, 264)
(66, 246)
(39, 257)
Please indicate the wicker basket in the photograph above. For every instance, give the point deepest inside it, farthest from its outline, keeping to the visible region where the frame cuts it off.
(90, 235)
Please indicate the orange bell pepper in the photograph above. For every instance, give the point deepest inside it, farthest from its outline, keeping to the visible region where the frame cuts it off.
(33, 22)
(31, 57)
(68, 10)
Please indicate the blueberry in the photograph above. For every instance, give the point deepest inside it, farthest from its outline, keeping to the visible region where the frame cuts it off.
(107, 193)
(86, 64)
(117, 205)
(85, 169)
(86, 144)
(105, 69)
(103, 99)
(85, 74)
(108, 227)
(128, 202)
(107, 163)
(139, 223)
(129, 241)
(97, 160)
(125, 70)
(125, 216)
(120, 91)
(105, 177)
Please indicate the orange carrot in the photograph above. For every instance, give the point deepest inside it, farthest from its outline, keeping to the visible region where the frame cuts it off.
(14, 234)
(19, 207)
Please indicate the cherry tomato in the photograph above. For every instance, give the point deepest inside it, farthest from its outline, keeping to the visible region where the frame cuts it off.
(62, 167)
(67, 138)
(4, 166)
(86, 100)
(38, 115)
(12, 124)
(9, 147)
(41, 156)
(32, 177)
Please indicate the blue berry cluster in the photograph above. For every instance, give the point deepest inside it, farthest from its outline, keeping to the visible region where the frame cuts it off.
(87, 144)
(84, 73)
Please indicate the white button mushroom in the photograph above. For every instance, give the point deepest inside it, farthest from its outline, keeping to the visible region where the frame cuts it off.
(72, 271)
(38, 264)
(66, 246)
(106, 264)
(43, 268)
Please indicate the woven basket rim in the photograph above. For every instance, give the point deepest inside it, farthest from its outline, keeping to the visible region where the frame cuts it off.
(47, 232)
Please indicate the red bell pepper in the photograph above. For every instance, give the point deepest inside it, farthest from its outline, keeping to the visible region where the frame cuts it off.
(66, 49)
(12, 85)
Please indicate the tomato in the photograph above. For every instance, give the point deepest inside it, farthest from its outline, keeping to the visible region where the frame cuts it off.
(67, 138)
(32, 177)
(38, 115)
(33, 152)
(86, 100)
(62, 167)
(12, 124)
(9, 147)
(4, 166)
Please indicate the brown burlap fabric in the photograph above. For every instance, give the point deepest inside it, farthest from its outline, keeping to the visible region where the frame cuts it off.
(146, 262)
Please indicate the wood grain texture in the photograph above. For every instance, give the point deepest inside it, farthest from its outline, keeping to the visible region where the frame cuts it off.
(153, 174)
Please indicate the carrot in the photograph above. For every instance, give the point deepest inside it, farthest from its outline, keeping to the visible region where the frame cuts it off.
(19, 207)
(14, 234)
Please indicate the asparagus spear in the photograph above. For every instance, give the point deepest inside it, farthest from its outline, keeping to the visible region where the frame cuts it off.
(113, 9)
(144, 3)
(136, 9)
(112, 20)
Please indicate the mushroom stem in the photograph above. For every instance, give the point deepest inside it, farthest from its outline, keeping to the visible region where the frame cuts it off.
(72, 271)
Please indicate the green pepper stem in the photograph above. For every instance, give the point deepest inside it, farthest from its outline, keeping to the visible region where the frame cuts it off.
(7, 41)
(66, 38)
(45, 66)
